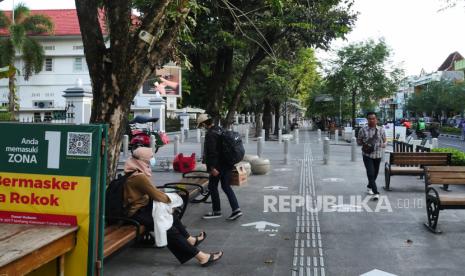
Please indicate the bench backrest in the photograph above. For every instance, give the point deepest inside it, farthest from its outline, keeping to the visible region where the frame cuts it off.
(420, 158)
(441, 175)
(402, 147)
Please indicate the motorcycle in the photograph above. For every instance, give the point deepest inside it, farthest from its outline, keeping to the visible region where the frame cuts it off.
(420, 134)
(140, 136)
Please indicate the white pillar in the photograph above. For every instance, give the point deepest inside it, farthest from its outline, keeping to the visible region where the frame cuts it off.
(157, 110)
(260, 146)
(176, 145)
(319, 135)
(286, 151)
(152, 143)
(246, 136)
(78, 104)
(353, 147)
(336, 136)
(296, 136)
(272, 123)
(263, 134)
(435, 143)
(125, 146)
(280, 136)
(198, 135)
(326, 151)
(202, 145)
(182, 135)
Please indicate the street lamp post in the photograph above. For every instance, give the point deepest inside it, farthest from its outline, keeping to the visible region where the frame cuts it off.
(393, 107)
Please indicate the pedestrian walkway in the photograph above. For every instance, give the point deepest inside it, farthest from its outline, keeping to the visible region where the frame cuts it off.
(343, 239)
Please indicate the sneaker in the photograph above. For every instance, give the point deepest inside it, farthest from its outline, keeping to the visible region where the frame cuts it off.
(375, 197)
(212, 215)
(235, 215)
(370, 192)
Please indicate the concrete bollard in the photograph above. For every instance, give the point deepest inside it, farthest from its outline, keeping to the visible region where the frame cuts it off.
(353, 149)
(336, 136)
(182, 135)
(125, 146)
(176, 145)
(263, 134)
(434, 143)
(326, 151)
(280, 136)
(286, 151)
(246, 136)
(260, 146)
(152, 142)
(296, 136)
(319, 135)
(202, 145)
(198, 135)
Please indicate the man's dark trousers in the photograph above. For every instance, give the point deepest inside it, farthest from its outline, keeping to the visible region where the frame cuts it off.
(225, 178)
(372, 168)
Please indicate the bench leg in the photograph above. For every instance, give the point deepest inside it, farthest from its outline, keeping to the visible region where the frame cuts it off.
(446, 188)
(432, 211)
(387, 178)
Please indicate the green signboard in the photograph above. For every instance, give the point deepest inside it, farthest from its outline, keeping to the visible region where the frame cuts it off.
(53, 174)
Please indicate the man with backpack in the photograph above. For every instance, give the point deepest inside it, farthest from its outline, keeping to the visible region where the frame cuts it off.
(220, 155)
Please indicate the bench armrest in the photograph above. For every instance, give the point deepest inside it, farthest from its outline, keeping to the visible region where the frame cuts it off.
(183, 193)
(128, 221)
(187, 174)
(174, 185)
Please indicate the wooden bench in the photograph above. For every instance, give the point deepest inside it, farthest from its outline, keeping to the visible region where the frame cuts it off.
(412, 163)
(24, 248)
(442, 175)
(127, 230)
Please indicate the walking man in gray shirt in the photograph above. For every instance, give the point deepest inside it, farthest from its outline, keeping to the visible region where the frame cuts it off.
(372, 138)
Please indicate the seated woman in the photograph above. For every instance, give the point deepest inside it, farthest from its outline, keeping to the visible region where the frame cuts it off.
(139, 194)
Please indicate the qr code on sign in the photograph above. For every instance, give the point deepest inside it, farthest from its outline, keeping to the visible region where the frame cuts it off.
(79, 144)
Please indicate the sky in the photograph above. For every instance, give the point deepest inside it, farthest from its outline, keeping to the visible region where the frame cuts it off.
(419, 34)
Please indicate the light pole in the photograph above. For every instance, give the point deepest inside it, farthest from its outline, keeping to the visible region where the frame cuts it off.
(393, 107)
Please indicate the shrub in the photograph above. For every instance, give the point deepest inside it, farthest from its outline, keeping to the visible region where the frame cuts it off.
(458, 157)
(4, 116)
(451, 130)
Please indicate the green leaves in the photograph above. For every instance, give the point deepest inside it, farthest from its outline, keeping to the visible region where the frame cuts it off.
(362, 70)
(38, 24)
(33, 57)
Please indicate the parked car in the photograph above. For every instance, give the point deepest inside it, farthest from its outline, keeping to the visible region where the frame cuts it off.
(361, 122)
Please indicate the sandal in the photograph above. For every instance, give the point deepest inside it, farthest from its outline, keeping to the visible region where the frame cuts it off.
(197, 241)
(212, 259)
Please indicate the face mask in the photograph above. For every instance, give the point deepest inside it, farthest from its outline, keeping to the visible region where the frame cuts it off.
(153, 161)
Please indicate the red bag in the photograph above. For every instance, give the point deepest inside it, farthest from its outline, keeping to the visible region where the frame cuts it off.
(184, 164)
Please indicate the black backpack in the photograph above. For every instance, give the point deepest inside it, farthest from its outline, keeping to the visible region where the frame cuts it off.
(114, 197)
(232, 148)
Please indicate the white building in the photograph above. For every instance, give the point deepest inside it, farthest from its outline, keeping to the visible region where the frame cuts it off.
(41, 97)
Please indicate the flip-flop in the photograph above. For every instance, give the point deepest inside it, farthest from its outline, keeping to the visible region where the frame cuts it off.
(197, 241)
(212, 259)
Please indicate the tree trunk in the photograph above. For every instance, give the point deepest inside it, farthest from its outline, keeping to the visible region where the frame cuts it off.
(250, 67)
(258, 124)
(353, 107)
(217, 82)
(267, 118)
(118, 71)
(277, 114)
(12, 96)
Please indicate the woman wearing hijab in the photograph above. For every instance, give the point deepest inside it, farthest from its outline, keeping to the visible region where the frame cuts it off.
(139, 194)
